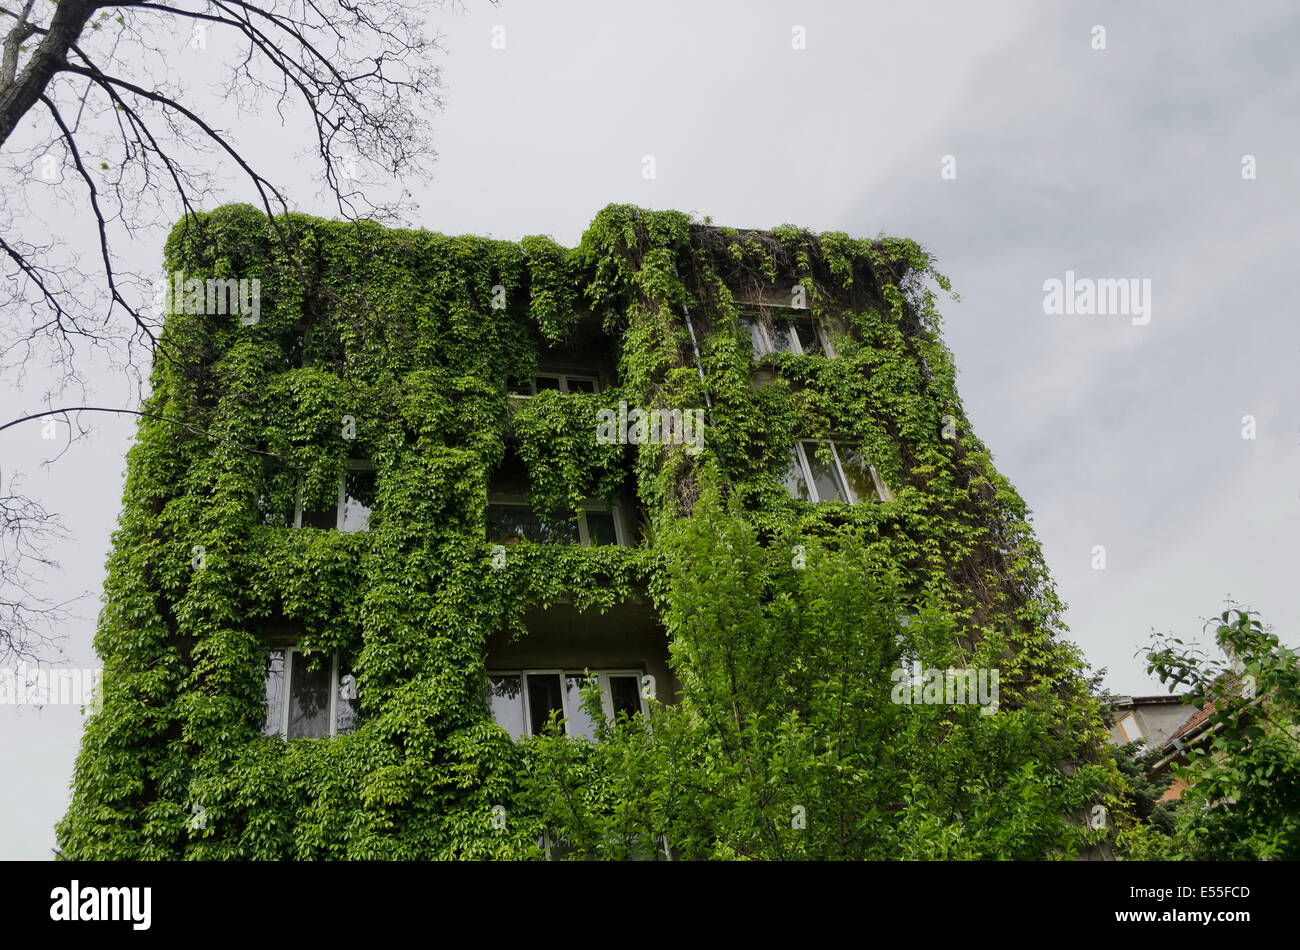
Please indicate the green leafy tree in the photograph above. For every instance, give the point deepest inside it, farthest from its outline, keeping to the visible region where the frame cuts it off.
(1243, 799)
(1149, 837)
(790, 741)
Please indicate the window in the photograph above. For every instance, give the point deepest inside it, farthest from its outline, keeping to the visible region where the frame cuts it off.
(356, 500)
(821, 470)
(513, 519)
(557, 848)
(787, 334)
(905, 637)
(561, 382)
(518, 522)
(757, 338)
(1129, 728)
(303, 702)
(523, 702)
(293, 343)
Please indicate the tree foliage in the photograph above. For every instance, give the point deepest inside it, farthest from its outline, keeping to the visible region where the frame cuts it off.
(1243, 774)
(790, 741)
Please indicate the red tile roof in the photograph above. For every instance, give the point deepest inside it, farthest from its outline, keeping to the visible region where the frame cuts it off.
(1199, 717)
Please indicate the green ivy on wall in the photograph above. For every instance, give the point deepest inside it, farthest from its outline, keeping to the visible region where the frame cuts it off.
(413, 336)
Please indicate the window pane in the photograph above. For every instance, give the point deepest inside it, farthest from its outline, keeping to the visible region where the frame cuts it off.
(858, 473)
(795, 482)
(543, 699)
(557, 532)
(519, 387)
(274, 693)
(580, 385)
(309, 698)
(293, 344)
(824, 478)
(506, 522)
(345, 703)
(625, 695)
(548, 382)
(600, 527)
(580, 723)
(518, 522)
(358, 500)
(322, 516)
(757, 345)
(808, 338)
(1128, 725)
(278, 516)
(506, 701)
(782, 339)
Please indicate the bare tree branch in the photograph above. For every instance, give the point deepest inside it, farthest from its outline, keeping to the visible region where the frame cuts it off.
(99, 218)
(26, 619)
(25, 88)
(13, 45)
(144, 415)
(121, 143)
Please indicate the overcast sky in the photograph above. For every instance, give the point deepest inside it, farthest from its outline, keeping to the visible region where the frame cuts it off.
(1117, 163)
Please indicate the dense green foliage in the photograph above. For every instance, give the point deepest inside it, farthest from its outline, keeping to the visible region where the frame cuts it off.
(788, 742)
(1143, 791)
(1242, 802)
(786, 690)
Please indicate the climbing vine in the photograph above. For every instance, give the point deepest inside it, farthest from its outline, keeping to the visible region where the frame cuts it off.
(414, 337)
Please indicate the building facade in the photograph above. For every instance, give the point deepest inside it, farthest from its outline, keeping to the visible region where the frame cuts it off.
(388, 521)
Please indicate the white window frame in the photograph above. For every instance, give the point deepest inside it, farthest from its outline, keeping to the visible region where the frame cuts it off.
(567, 705)
(353, 465)
(288, 690)
(564, 382)
(748, 318)
(584, 535)
(850, 496)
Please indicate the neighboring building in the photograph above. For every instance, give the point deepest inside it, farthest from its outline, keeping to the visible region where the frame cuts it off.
(1166, 723)
(1155, 722)
(1193, 731)
(389, 515)
(1150, 720)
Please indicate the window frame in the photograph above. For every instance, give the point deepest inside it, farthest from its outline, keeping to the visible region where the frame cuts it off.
(1137, 728)
(564, 378)
(286, 698)
(754, 318)
(850, 496)
(584, 534)
(602, 680)
(352, 465)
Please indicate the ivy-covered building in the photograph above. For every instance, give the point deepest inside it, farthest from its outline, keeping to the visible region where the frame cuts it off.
(380, 532)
